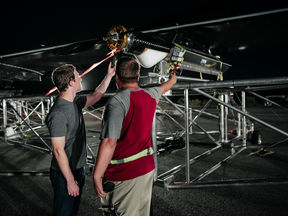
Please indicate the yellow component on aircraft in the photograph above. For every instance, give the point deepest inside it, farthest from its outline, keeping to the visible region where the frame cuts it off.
(117, 42)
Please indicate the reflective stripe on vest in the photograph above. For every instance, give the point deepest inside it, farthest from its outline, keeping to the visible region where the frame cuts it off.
(143, 153)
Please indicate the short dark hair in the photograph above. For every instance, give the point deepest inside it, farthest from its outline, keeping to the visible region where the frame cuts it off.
(127, 69)
(62, 75)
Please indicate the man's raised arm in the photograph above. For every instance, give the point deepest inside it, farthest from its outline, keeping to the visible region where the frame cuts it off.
(168, 84)
(99, 92)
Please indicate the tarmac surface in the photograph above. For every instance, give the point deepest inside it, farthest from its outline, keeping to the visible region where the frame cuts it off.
(33, 195)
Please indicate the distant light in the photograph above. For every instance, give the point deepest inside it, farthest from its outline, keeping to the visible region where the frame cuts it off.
(42, 45)
(242, 48)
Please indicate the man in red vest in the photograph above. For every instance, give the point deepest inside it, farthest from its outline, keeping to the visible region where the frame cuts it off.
(125, 156)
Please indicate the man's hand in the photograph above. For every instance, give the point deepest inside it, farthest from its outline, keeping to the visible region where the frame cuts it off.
(99, 188)
(73, 188)
(111, 71)
(173, 77)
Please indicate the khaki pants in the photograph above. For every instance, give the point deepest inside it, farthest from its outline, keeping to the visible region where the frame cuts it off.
(132, 197)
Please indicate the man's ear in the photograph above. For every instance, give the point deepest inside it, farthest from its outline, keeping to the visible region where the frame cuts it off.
(71, 83)
(116, 77)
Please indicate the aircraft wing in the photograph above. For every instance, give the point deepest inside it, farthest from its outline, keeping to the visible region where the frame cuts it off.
(257, 30)
(31, 65)
(202, 37)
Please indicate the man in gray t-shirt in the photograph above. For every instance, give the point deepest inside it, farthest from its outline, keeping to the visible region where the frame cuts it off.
(66, 126)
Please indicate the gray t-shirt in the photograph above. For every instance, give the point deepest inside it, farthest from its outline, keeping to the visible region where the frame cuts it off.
(117, 108)
(63, 120)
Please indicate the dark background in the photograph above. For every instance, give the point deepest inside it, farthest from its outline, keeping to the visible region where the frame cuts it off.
(26, 26)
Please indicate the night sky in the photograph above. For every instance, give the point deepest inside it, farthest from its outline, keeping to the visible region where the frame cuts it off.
(26, 26)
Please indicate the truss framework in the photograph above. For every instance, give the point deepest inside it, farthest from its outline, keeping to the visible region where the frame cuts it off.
(31, 112)
(243, 130)
(21, 116)
(23, 119)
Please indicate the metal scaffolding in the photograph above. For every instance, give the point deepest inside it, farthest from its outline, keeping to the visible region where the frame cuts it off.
(243, 129)
(22, 117)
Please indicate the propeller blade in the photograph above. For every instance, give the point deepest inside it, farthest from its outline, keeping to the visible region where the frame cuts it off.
(77, 47)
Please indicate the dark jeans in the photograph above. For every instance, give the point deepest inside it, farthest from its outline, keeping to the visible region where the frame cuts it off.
(64, 204)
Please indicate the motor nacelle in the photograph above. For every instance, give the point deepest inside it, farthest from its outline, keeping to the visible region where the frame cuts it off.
(149, 50)
(152, 49)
